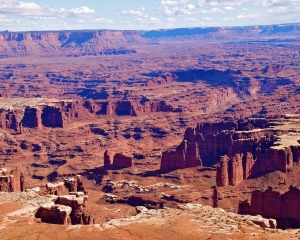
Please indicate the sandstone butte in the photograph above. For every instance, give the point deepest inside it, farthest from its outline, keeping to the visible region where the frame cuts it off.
(124, 133)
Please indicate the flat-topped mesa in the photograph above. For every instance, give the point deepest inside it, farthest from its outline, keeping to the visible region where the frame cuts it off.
(121, 161)
(184, 156)
(68, 43)
(12, 181)
(284, 207)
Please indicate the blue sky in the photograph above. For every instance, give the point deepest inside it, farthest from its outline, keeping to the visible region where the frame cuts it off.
(147, 14)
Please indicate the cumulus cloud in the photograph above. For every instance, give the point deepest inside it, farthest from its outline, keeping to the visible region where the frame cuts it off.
(268, 3)
(138, 12)
(103, 20)
(31, 9)
(184, 7)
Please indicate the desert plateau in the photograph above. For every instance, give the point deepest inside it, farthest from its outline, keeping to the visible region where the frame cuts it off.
(184, 133)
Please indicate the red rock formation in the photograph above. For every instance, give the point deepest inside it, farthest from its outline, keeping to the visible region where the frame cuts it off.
(107, 161)
(230, 171)
(68, 185)
(66, 210)
(284, 208)
(248, 163)
(79, 204)
(272, 69)
(80, 185)
(32, 118)
(52, 117)
(184, 156)
(71, 43)
(12, 182)
(162, 79)
(122, 161)
(56, 188)
(54, 214)
(222, 177)
(274, 159)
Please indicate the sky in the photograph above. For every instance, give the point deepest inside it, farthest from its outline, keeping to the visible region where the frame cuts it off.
(28, 15)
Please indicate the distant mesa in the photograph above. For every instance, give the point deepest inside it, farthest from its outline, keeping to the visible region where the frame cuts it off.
(68, 43)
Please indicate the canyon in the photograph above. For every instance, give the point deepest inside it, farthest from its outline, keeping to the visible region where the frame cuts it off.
(147, 133)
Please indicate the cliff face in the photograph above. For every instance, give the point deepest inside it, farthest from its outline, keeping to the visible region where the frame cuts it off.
(283, 207)
(184, 156)
(122, 161)
(56, 114)
(245, 150)
(68, 43)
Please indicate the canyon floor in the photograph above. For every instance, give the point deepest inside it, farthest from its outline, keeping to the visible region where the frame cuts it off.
(60, 113)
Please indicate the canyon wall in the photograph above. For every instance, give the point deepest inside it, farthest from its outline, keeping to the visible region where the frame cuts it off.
(245, 149)
(56, 114)
(285, 208)
(184, 156)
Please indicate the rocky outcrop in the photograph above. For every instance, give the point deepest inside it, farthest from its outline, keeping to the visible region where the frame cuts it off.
(142, 200)
(122, 161)
(54, 214)
(122, 108)
(164, 78)
(230, 171)
(52, 117)
(11, 120)
(32, 118)
(79, 204)
(246, 147)
(107, 161)
(272, 69)
(67, 185)
(184, 156)
(56, 188)
(67, 209)
(12, 181)
(284, 207)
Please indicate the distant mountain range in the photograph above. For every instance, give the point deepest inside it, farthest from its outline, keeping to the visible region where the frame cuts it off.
(222, 33)
(108, 42)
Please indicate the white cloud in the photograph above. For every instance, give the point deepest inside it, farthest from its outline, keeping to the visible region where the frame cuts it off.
(31, 9)
(268, 3)
(167, 3)
(170, 19)
(138, 12)
(103, 20)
